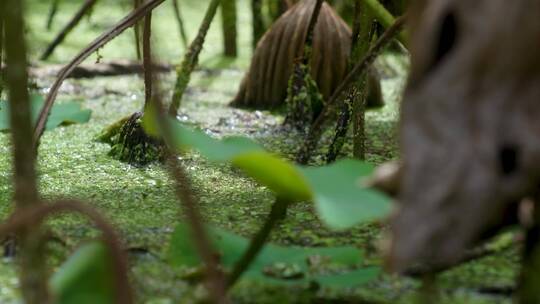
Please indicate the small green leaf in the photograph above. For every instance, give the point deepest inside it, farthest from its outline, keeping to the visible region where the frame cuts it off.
(61, 114)
(85, 278)
(275, 173)
(292, 262)
(339, 196)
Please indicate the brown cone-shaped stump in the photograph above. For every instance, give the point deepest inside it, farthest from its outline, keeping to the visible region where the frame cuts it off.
(265, 84)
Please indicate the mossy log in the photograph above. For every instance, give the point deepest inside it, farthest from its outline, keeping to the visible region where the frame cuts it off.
(265, 84)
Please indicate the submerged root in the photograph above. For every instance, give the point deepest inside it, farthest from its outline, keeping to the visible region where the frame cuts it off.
(130, 143)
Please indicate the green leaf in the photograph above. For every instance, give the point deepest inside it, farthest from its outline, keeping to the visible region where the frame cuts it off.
(277, 174)
(61, 114)
(278, 264)
(339, 196)
(341, 201)
(85, 278)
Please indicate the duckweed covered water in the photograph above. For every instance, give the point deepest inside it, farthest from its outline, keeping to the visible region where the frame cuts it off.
(141, 201)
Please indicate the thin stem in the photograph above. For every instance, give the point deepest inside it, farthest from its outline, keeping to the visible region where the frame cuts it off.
(85, 8)
(353, 108)
(308, 44)
(278, 212)
(33, 267)
(359, 69)
(137, 31)
(365, 32)
(216, 278)
(147, 58)
(52, 13)
(180, 21)
(191, 58)
(189, 202)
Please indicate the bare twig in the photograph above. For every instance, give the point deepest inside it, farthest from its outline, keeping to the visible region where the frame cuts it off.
(109, 35)
(34, 216)
(359, 69)
(52, 13)
(33, 267)
(85, 8)
(147, 58)
(180, 21)
(137, 31)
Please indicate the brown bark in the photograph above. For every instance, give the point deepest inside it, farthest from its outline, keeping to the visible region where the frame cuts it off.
(265, 84)
(470, 125)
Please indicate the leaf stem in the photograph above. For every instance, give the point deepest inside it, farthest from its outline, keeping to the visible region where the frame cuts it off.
(278, 212)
